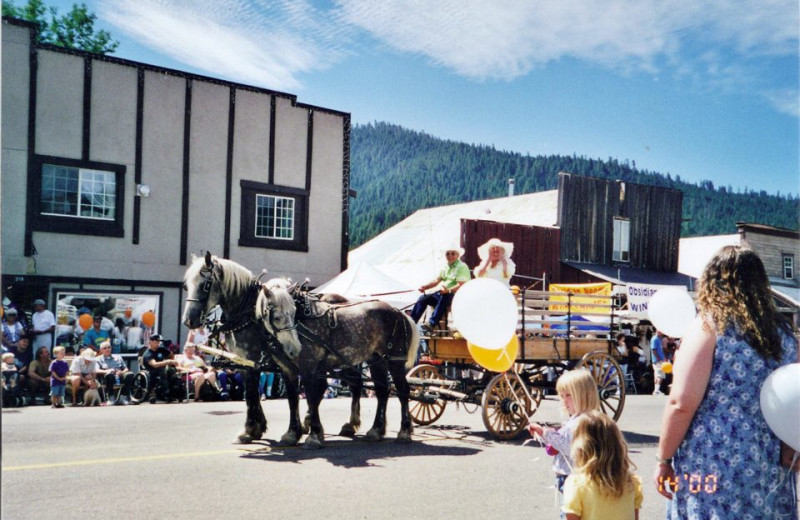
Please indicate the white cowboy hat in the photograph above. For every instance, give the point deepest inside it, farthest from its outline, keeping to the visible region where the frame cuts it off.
(483, 251)
(452, 248)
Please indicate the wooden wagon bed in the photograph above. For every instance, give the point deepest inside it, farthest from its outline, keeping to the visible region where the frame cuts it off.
(536, 348)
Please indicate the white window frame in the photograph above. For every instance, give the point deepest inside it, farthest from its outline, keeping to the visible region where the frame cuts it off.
(88, 182)
(622, 240)
(283, 217)
(788, 267)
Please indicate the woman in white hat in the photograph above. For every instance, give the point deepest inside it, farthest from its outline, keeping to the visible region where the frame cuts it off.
(495, 261)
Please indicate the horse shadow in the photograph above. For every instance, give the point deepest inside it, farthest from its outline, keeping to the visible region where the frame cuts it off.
(359, 453)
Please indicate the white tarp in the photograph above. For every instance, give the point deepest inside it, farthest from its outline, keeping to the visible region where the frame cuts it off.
(412, 251)
(362, 281)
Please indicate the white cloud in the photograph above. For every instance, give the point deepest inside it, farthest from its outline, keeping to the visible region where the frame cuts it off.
(786, 101)
(504, 39)
(263, 43)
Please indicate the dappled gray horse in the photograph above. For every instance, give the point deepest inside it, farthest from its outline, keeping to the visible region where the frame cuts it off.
(212, 281)
(344, 336)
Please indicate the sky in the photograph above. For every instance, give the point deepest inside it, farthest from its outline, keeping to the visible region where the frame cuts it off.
(701, 89)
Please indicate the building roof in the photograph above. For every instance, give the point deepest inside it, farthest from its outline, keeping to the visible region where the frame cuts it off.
(411, 250)
(695, 253)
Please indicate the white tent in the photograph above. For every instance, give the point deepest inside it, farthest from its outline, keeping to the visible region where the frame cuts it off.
(362, 281)
(412, 250)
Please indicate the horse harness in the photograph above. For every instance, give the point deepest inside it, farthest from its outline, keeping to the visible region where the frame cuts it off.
(309, 305)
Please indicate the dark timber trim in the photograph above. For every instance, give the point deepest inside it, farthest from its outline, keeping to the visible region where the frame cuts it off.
(345, 191)
(87, 108)
(309, 149)
(272, 123)
(187, 134)
(137, 167)
(226, 248)
(33, 61)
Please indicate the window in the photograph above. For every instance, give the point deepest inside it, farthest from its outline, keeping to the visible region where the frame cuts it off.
(273, 217)
(622, 240)
(788, 267)
(78, 192)
(81, 197)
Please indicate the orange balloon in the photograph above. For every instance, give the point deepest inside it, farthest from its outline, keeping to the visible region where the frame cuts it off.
(149, 318)
(495, 360)
(666, 367)
(85, 321)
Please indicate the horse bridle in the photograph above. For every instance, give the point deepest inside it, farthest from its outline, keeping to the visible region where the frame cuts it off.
(203, 291)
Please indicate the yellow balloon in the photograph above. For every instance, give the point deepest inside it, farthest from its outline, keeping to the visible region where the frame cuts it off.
(666, 367)
(493, 359)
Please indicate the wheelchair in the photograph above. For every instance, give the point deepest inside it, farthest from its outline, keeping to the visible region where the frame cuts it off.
(141, 391)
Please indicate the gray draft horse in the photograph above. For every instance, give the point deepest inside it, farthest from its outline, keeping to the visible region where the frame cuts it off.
(344, 336)
(212, 281)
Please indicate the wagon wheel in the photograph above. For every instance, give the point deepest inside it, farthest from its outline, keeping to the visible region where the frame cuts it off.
(506, 406)
(424, 409)
(610, 381)
(534, 376)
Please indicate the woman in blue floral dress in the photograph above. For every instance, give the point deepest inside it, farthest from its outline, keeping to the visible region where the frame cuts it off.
(718, 459)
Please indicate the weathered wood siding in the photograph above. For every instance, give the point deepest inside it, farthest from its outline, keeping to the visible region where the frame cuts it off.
(586, 210)
(535, 248)
(772, 245)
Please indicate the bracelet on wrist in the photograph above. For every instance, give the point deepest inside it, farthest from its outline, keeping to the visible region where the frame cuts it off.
(667, 462)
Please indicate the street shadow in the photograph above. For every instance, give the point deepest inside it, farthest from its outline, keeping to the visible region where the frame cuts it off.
(360, 453)
(639, 439)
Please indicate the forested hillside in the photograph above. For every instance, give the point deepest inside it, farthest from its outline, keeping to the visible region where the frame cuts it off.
(397, 171)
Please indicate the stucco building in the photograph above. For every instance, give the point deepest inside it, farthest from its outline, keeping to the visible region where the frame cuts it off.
(115, 172)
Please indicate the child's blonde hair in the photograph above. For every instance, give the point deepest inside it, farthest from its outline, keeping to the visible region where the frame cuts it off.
(58, 349)
(580, 384)
(601, 453)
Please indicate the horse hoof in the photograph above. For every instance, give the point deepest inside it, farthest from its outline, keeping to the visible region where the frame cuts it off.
(244, 438)
(403, 437)
(374, 436)
(289, 439)
(348, 430)
(312, 443)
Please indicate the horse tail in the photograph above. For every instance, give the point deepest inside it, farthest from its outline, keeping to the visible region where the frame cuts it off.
(413, 344)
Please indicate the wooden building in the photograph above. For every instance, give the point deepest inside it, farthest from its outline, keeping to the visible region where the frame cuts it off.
(605, 231)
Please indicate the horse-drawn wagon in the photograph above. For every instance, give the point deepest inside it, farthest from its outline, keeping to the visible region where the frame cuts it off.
(556, 332)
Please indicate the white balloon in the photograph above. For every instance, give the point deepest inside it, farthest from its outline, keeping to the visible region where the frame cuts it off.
(485, 312)
(780, 404)
(671, 311)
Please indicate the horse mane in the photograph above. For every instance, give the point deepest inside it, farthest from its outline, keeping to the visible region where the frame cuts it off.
(234, 279)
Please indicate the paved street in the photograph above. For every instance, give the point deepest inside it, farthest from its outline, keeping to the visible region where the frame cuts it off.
(178, 461)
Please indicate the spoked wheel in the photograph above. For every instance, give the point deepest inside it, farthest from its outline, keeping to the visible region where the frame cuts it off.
(610, 381)
(139, 387)
(425, 407)
(506, 406)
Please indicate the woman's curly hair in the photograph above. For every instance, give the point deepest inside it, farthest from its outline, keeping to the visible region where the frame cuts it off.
(734, 290)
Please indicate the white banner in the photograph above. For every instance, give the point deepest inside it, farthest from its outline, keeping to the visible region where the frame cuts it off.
(639, 295)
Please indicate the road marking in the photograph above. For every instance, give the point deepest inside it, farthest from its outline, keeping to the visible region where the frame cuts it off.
(118, 459)
(256, 449)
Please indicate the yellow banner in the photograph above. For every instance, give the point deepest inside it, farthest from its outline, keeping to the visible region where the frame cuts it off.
(580, 303)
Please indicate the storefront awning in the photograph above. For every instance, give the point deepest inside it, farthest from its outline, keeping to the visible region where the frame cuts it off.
(622, 275)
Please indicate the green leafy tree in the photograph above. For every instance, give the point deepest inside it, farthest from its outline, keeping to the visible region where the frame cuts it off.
(74, 30)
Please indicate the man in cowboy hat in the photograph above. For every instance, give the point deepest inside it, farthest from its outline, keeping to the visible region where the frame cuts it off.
(453, 276)
(495, 261)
